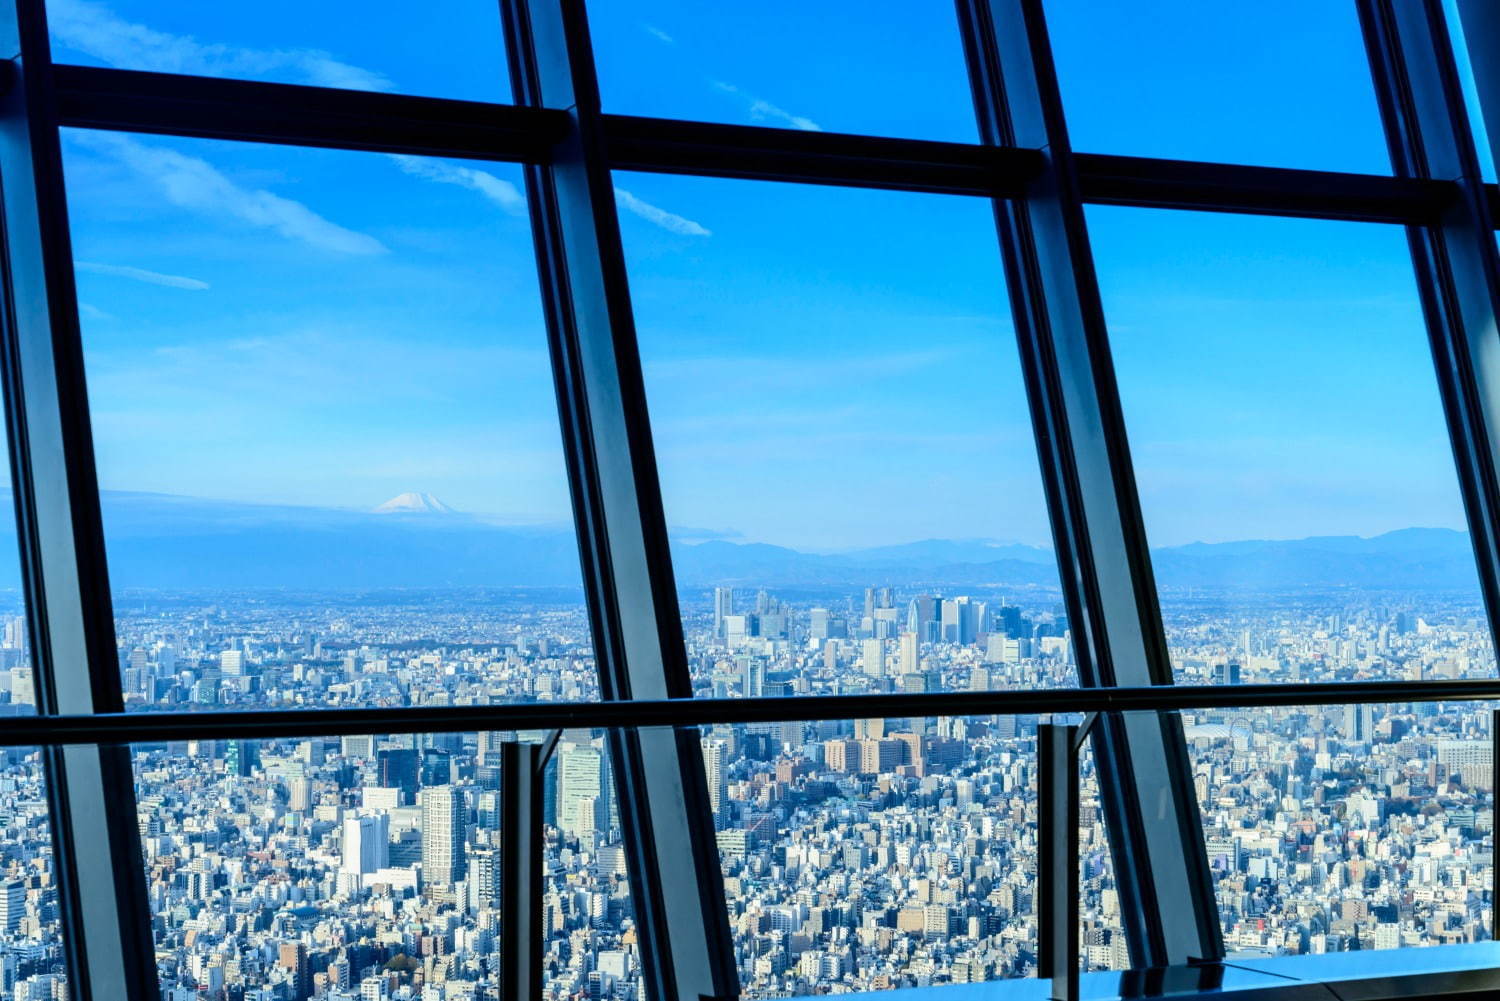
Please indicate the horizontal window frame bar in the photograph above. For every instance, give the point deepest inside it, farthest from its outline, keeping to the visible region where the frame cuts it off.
(156, 726)
(751, 152)
(293, 114)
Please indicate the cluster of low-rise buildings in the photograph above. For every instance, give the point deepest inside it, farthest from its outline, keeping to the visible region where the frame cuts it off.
(857, 855)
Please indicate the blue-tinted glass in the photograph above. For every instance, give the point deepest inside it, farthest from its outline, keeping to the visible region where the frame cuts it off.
(454, 49)
(1347, 828)
(1290, 448)
(325, 427)
(251, 846)
(17, 683)
(843, 439)
(1283, 83)
(1471, 92)
(881, 68)
(873, 854)
(31, 943)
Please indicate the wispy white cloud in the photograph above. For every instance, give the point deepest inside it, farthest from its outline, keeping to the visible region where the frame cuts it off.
(502, 192)
(192, 183)
(140, 275)
(762, 110)
(93, 312)
(91, 27)
(668, 221)
(658, 34)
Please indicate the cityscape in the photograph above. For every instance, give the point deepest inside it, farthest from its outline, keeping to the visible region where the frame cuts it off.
(856, 855)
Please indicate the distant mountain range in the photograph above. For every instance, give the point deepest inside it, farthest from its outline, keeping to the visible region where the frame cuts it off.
(417, 541)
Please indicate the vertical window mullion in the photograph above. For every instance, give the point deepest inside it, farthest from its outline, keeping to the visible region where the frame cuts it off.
(1148, 798)
(676, 883)
(1457, 266)
(105, 915)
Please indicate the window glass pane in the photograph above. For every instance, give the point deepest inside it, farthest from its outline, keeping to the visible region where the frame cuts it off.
(1342, 828)
(1282, 83)
(879, 68)
(843, 440)
(17, 683)
(1471, 91)
(1290, 449)
(876, 854)
(259, 854)
(1101, 934)
(455, 50)
(31, 947)
(30, 932)
(325, 428)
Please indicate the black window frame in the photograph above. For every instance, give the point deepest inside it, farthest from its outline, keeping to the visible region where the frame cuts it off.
(569, 147)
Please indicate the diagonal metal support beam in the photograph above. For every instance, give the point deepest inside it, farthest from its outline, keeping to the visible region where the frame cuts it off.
(101, 877)
(1454, 256)
(1149, 803)
(675, 880)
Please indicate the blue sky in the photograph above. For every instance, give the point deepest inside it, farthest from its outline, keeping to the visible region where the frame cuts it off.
(826, 369)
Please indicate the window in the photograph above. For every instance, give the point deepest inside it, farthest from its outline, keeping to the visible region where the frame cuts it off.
(458, 55)
(844, 442)
(1306, 521)
(879, 69)
(420, 502)
(336, 460)
(244, 841)
(1340, 828)
(1281, 84)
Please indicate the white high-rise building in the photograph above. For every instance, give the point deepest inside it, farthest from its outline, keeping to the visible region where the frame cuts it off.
(910, 661)
(581, 789)
(715, 768)
(366, 843)
(723, 608)
(442, 835)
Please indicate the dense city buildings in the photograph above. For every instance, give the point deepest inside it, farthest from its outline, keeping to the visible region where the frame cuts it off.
(856, 855)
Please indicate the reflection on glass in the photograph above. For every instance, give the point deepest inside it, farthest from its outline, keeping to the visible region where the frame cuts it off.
(325, 428)
(1341, 828)
(380, 45)
(1278, 82)
(880, 854)
(369, 866)
(31, 948)
(879, 68)
(843, 440)
(1290, 448)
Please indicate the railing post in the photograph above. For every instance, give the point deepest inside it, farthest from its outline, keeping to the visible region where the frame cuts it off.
(520, 872)
(1057, 858)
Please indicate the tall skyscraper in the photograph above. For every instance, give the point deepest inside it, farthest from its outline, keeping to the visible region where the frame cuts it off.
(959, 619)
(367, 843)
(1227, 673)
(240, 756)
(723, 608)
(874, 658)
(299, 794)
(1359, 723)
(484, 878)
(583, 793)
(715, 768)
(12, 904)
(909, 653)
(397, 768)
(442, 834)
